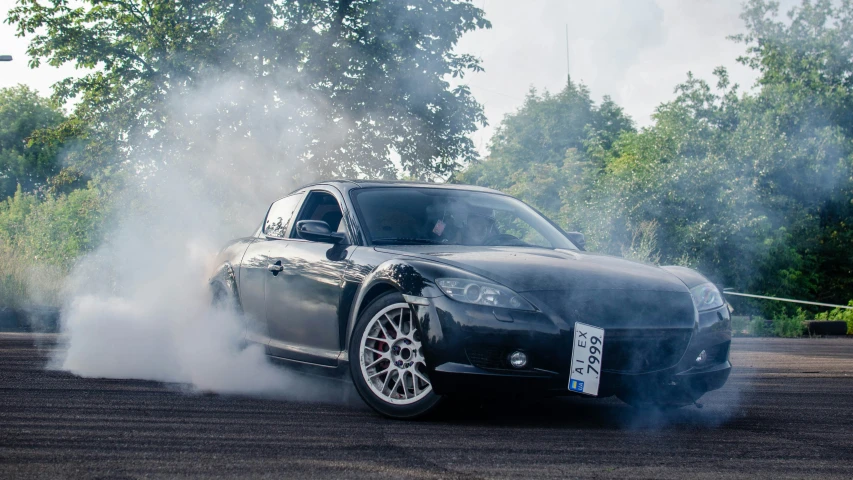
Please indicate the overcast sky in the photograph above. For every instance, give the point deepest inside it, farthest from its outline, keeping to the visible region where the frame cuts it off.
(636, 51)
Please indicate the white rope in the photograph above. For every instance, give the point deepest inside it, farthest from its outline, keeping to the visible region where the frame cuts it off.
(787, 300)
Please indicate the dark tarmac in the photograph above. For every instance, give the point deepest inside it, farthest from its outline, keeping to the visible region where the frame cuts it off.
(786, 412)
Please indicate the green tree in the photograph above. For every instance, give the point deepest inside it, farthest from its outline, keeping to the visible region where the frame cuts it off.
(23, 161)
(806, 168)
(548, 151)
(340, 85)
(755, 190)
(41, 238)
(686, 175)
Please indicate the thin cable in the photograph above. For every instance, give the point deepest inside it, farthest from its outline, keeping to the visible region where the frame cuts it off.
(787, 300)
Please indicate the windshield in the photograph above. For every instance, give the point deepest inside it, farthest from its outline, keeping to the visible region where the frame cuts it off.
(423, 216)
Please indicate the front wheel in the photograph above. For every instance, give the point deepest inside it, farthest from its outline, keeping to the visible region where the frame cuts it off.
(386, 360)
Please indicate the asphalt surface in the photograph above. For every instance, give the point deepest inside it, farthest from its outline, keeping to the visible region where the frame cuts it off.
(786, 412)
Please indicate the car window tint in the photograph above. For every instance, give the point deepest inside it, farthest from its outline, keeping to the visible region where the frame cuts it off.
(278, 218)
(410, 215)
(322, 206)
(509, 223)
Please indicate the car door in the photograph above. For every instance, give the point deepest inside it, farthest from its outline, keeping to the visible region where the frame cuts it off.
(303, 301)
(258, 264)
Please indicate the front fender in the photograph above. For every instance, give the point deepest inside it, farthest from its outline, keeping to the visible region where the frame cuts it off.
(414, 278)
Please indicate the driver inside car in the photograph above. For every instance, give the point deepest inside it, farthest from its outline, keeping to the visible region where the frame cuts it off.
(458, 223)
(478, 228)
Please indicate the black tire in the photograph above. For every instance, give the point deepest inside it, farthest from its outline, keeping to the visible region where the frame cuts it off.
(220, 297)
(420, 408)
(223, 297)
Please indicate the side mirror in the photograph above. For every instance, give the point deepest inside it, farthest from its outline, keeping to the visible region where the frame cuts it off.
(318, 231)
(578, 239)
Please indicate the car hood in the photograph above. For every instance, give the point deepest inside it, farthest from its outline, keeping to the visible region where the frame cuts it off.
(572, 286)
(526, 269)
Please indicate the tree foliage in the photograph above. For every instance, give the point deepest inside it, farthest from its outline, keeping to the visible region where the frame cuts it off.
(337, 85)
(24, 162)
(549, 146)
(755, 190)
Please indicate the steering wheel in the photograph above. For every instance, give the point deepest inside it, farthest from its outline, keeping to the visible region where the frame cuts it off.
(503, 239)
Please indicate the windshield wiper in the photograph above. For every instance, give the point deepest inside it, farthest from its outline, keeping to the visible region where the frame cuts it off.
(405, 241)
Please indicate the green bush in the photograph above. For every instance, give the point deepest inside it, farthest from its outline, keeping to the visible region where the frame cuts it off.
(791, 326)
(788, 327)
(758, 327)
(740, 325)
(839, 314)
(41, 237)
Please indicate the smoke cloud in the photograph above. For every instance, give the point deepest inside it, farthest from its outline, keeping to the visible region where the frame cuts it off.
(139, 306)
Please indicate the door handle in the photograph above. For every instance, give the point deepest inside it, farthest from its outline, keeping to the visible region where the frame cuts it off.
(275, 268)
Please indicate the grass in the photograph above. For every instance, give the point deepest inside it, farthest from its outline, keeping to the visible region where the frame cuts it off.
(788, 327)
(744, 326)
(23, 285)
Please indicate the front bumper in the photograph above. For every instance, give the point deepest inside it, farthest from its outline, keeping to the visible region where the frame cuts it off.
(466, 348)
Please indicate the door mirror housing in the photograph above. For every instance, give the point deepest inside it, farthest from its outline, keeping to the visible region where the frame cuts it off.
(318, 231)
(578, 239)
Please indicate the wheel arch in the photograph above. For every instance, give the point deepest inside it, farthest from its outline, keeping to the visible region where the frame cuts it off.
(227, 267)
(407, 277)
(376, 290)
(225, 277)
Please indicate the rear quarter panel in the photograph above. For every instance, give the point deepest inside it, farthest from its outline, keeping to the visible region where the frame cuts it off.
(226, 265)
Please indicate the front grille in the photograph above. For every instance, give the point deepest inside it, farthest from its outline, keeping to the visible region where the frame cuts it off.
(640, 350)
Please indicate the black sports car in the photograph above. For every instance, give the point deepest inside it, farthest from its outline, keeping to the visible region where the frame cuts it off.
(422, 291)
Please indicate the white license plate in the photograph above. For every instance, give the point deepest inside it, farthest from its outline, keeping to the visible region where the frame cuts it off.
(586, 359)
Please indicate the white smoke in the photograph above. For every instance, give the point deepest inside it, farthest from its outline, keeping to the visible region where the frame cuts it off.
(140, 307)
(164, 329)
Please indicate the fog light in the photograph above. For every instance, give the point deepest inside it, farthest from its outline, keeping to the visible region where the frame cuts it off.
(703, 355)
(518, 359)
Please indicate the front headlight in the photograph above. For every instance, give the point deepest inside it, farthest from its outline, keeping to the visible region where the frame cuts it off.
(482, 293)
(706, 297)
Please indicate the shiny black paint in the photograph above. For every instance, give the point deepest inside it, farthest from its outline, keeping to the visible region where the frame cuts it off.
(308, 309)
(302, 302)
(456, 331)
(294, 286)
(526, 269)
(691, 278)
(318, 231)
(252, 275)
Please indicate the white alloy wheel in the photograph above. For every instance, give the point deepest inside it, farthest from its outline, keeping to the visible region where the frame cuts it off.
(391, 358)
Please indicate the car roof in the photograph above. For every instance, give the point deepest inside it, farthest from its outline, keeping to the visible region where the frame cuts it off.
(346, 184)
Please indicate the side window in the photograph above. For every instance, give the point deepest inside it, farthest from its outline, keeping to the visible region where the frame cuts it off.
(322, 206)
(278, 219)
